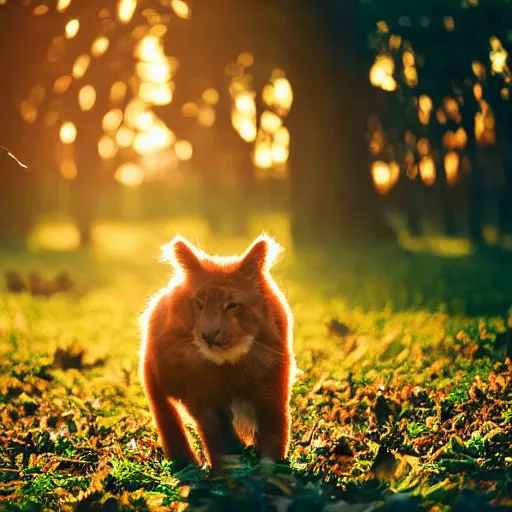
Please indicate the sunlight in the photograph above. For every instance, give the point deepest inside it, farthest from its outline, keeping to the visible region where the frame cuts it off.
(381, 73)
(279, 153)
(263, 156)
(282, 136)
(210, 96)
(112, 120)
(245, 59)
(68, 132)
(427, 169)
(246, 127)
(206, 116)
(62, 5)
(71, 29)
(245, 104)
(451, 166)
(87, 97)
(41, 10)
(126, 10)
(181, 9)
(183, 149)
(118, 92)
(144, 120)
(130, 174)
(68, 168)
(62, 84)
(80, 66)
(381, 175)
(107, 147)
(100, 46)
(283, 94)
(28, 112)
(425, 106)
(125, 136)
(270, 122)
(498, 56)
(190, 109)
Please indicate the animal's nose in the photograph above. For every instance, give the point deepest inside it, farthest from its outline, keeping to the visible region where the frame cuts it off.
(210, 337)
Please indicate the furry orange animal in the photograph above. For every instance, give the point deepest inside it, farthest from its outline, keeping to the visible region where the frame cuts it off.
(218, 340)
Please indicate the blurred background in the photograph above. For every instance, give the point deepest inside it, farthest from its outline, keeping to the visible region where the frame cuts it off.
(352, 120)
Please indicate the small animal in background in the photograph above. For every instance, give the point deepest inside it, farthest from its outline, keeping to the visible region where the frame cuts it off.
(15, 282)
(36, 284)
(62, 283)
(218, 341)
(337, 328)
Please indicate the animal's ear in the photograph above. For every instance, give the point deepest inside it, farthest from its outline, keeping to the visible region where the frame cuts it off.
(259, 257)
(182, 255)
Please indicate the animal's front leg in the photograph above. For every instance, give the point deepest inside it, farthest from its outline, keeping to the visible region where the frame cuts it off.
(273, 424)
(217, 434)
(168, 421)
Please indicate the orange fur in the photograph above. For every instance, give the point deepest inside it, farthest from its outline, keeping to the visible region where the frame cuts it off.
(218, 341)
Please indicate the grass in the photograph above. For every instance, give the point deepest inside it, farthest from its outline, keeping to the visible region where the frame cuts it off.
(405, 399)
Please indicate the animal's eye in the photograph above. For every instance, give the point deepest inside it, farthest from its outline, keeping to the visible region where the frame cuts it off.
(199, 304)
(230, 305)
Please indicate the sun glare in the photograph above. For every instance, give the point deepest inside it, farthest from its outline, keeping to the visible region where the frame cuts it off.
(68, 132)
(126, 10)
(181, 9)
(72, 28)
(62, 5)
(130, 174)
(87, 97)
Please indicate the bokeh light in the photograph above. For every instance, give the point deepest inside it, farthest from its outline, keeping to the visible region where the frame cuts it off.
(210, 96)
(112, 120)
(427, 169)
(181, 9)
(80, 66)
(381, 73)
(107, 147)
(72, 28)
(451, 167)
(62, 5)
(100, 46)
(130, 174)
(126, 10)
(87, 97)
(183, 150)
(61, 85)
(68, 168)
(68, 132)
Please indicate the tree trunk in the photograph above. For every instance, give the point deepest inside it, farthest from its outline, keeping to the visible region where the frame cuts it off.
(332, 195)
(448, 216)
(413, 208)
(19, 60)
(475, 184)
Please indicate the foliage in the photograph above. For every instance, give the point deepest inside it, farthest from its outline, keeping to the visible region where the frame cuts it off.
(396, 408)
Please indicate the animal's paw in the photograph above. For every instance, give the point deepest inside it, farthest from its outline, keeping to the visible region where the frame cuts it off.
(230, 462)
(225, 466)
(267, 466)
(181, 463)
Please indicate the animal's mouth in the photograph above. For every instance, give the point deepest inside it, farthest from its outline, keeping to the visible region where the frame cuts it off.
(226, 351)
(221, 345)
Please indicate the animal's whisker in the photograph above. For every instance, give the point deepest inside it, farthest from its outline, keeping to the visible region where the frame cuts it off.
(262, 345)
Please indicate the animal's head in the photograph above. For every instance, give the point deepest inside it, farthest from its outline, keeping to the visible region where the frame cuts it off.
(226, 295)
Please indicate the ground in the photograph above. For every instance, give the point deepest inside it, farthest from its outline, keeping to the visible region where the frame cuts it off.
(404, 400)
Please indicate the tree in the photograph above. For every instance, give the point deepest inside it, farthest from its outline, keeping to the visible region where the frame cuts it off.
(460, 93)
(332, 193)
